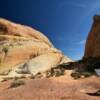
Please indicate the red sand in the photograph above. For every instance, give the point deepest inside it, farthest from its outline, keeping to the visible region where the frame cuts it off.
(58, 88)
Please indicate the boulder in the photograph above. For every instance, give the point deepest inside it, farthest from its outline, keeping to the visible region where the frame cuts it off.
(24, 50)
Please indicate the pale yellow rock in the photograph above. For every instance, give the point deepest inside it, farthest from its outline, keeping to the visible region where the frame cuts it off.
(23, 48)
(44, 62)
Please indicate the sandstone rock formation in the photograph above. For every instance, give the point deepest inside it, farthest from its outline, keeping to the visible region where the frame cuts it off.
(24, 50)
(92, 48)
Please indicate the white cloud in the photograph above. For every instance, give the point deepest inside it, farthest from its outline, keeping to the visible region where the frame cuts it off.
(75, 4)
(82, 42)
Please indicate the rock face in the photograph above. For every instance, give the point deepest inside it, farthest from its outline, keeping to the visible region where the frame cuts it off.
(25, 50)
(92, 48)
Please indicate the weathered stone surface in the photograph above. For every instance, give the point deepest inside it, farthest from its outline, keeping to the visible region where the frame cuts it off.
(25, 51)
(92, 48)
(44, 62)
(10, 28)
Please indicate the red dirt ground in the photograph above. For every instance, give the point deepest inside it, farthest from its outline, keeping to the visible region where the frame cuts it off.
(55, 88)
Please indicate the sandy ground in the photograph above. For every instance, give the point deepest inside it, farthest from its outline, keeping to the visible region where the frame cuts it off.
(58, 88)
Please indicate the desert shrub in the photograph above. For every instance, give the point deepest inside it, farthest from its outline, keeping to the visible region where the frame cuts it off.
(56, 72)
(5, 50)
(77, 75)
(17, 83)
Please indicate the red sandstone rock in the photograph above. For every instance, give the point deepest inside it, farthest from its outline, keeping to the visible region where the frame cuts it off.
(92, 48)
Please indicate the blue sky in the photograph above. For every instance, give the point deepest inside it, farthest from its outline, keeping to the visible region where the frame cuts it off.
(65, 22)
